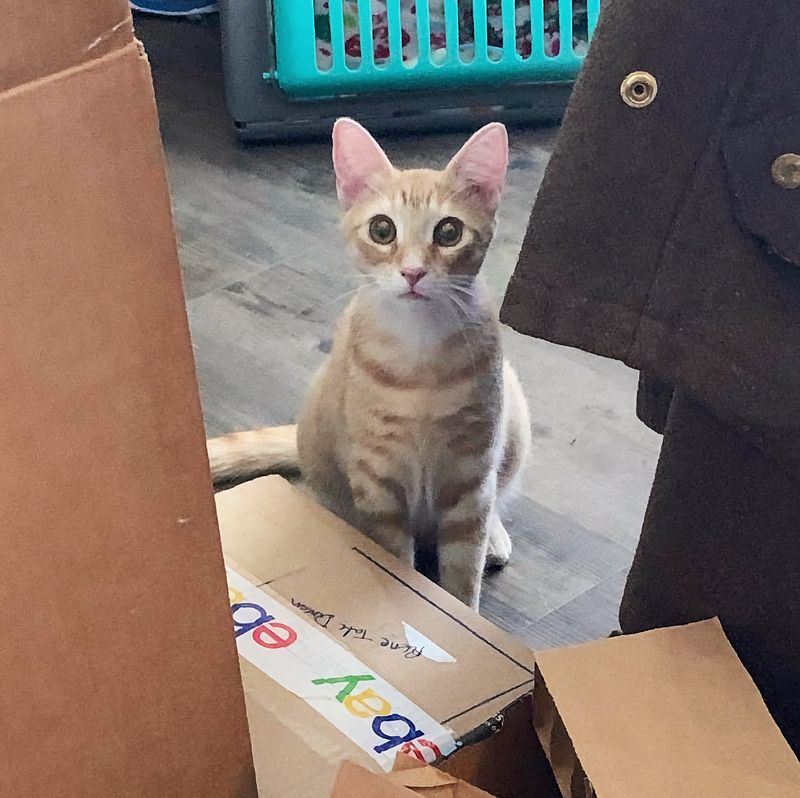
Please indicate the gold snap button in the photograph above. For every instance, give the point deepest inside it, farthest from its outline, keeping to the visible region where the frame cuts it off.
(786, 171)
(639, 89)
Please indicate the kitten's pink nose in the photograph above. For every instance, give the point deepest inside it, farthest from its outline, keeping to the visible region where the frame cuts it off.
(413, 276)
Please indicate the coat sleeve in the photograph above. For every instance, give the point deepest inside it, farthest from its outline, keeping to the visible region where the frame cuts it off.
(667, 236)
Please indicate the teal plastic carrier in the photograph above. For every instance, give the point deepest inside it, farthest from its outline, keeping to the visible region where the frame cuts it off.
(299, 74)
(293, 66)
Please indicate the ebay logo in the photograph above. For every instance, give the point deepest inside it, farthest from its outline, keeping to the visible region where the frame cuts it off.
(370, 711)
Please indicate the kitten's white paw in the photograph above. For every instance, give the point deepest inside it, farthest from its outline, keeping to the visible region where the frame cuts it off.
(498, 552)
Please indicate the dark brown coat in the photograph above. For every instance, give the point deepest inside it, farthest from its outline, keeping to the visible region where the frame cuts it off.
(660, 237)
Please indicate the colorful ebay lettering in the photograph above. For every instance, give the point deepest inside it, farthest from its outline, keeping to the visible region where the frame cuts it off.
(394, 729)
(253, 618)
(391, 728)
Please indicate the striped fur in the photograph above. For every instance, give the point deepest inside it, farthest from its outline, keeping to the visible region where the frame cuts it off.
(415, 427)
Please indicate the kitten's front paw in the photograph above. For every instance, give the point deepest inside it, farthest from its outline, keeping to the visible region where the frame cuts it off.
(498, 552)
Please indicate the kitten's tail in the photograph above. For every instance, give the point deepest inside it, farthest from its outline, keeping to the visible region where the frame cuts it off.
(241, 456)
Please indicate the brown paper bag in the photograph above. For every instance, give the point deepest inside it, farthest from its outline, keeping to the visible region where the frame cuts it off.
(670, 713)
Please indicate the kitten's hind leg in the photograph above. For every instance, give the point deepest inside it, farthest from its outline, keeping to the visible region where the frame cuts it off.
(498, 552)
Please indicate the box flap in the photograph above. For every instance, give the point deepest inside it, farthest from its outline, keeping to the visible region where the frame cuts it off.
(430, 782)
(40, 39)
(353, 781)
(119, 672)
(670, 713)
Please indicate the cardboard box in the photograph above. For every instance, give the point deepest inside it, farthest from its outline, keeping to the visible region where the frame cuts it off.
(670, 713)
(349, 655)
(119, 676)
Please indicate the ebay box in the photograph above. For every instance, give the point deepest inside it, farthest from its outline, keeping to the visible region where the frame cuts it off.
(346, 654)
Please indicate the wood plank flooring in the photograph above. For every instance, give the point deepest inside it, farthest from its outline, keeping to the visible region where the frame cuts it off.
(266, 276)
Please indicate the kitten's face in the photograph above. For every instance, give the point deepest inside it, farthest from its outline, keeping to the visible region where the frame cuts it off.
(419, 234)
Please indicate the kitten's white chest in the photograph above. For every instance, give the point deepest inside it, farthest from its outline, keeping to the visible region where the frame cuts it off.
(420, 329)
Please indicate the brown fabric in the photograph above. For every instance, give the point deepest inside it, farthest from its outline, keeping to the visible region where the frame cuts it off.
(658, 238)
(655, 233)
(653, 398)
(721, 537)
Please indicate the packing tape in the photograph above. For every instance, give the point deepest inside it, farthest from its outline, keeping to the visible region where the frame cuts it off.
(303, 659)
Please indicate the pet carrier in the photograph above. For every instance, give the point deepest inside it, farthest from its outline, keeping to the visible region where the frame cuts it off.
(292, 66)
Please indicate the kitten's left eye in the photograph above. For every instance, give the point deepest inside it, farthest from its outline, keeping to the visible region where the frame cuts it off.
(448, 232)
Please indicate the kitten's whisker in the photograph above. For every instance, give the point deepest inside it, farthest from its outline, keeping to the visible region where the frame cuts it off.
(444, 288)
(470, 292)
(469, 287)
(368, 281)
(468, 283)
(472, 314)
(466, 295)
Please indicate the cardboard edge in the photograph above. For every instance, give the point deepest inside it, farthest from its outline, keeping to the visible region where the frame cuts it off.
(82, 68)
(557, 744)
(63, 35)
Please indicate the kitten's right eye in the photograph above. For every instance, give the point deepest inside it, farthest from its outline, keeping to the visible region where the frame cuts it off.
(382, 229)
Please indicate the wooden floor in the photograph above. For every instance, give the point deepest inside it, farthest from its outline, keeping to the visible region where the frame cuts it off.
(265, 278)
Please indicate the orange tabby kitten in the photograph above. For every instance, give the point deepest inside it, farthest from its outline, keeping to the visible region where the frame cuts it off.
(415, 426)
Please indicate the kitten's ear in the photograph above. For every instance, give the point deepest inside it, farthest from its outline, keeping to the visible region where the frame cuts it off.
(357, 159)
(479, 167)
